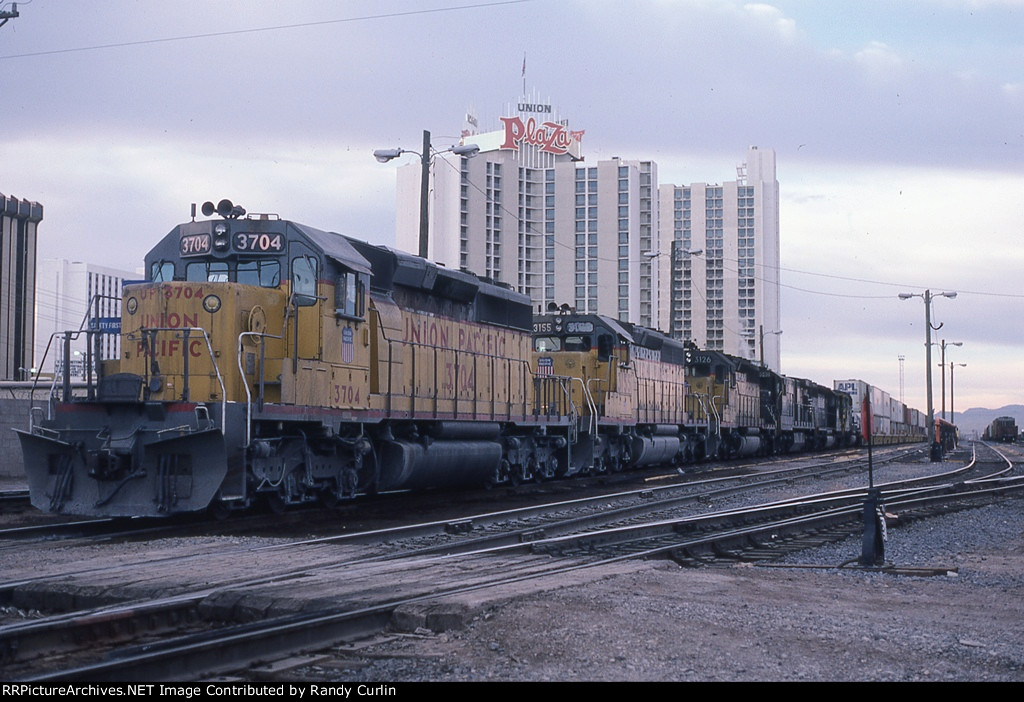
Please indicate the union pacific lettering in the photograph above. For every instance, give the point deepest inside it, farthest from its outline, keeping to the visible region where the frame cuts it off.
(170, 347)
(470, 338)
(644, 353)
(172, 320)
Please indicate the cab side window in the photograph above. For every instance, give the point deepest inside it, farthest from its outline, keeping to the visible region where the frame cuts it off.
(350, 294)
(304, 277)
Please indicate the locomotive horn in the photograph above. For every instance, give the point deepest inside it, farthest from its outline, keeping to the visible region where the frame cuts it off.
(224, 208)
(208, 208)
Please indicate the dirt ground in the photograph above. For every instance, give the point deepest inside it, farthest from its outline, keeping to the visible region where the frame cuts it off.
(657, 621)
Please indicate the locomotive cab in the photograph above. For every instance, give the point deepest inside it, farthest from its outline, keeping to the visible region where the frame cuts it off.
(235, 315)
(593, 350)
(284, 299)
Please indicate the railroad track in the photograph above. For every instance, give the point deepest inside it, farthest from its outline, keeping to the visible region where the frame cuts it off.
(447, 535)
(485, 566)
(83, 530)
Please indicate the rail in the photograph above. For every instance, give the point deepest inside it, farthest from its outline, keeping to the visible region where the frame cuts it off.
(718, 415)
(594, 405)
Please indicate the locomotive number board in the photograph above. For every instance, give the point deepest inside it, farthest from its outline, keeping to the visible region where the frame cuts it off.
(255, 242)
(195, 245)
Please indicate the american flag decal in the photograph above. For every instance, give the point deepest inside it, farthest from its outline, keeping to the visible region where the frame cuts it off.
(545, 365)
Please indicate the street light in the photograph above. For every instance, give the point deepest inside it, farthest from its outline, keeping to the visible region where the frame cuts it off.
(684, 252)
(936, 449)
(385, 155)
(674, 253)
(761, 334)
(952, 414)
(943, 365)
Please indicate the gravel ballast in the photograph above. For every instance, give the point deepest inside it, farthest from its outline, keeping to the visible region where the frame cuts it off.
(747, 623)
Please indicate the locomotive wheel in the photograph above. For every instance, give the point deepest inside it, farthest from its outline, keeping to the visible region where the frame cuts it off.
(501, 474)
(532, 470)
(328, 498)
(278, 500)
(219, 510)
(276, 503)
(551, 468)
(515, 475)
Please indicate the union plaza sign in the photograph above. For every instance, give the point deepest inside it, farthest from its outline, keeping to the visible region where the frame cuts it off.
(549, 137)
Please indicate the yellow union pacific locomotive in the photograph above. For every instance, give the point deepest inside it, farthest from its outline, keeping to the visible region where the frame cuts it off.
(266, 357)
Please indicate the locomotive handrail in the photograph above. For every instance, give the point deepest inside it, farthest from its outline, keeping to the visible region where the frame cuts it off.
(143, 331)
(592, 422)
(245, 383)
(599, 382)
(714, 409)
(715, 428)
(89, 352)
(65, 375)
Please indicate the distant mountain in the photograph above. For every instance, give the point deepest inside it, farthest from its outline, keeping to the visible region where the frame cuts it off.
(977, 419)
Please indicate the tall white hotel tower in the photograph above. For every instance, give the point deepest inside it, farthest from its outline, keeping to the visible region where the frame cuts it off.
(726, 298)
(606, 238)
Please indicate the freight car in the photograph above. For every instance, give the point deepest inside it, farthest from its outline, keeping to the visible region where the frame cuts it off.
(891, 421)
(1002, 429)
(946, 436)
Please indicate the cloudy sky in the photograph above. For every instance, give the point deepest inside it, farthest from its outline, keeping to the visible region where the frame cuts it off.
(898, 125)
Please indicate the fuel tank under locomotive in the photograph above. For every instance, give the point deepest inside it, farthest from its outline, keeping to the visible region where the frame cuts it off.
(661, 446)
(450, 454)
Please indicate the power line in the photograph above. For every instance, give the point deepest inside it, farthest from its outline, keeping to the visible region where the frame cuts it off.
(888, 283)
(273, 28)
(530, 228)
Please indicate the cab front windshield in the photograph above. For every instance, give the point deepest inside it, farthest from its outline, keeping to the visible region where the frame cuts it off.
(264, 273)
(554, 343)
(545, 344)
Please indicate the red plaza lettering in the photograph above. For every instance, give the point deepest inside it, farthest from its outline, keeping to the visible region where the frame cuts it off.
(551, 137)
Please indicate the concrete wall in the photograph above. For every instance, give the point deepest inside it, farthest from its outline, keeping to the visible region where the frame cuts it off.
(14, 405)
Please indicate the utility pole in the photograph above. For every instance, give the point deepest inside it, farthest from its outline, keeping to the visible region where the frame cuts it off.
(901, 358)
